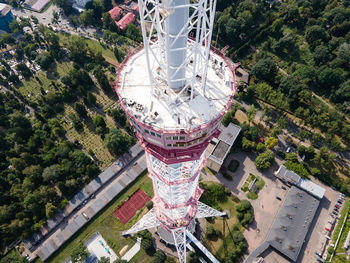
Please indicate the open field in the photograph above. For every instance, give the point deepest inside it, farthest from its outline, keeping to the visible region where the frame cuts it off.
(108, 225)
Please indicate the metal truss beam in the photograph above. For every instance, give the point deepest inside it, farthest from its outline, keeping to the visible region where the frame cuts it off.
(207, 211)
(149, 220)
(201, 247)
(180, 243)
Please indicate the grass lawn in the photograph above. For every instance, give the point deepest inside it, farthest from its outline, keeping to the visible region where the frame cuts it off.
(219, 246)
(93, 44)
(109, 226)
(42, 80)
(241, 116)
(247, 182)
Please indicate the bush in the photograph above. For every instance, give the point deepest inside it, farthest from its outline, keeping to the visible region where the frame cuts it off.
(245, 188)
(247, 145)
(233, 166)
(260, 183)
(159, 257)
(149, 205)
(252, 195)
(260, 147)
(235, 198)
(227, 176)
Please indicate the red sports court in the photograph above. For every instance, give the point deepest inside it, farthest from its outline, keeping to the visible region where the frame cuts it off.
(131, 206)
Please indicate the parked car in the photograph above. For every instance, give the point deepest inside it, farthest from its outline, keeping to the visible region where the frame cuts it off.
(86, 216)
(85, 201)
(278, 198)
(284, 188)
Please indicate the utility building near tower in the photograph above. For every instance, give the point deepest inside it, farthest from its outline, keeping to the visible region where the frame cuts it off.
(175, 89)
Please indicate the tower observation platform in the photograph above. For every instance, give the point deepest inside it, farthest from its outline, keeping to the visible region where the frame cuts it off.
(175, 89)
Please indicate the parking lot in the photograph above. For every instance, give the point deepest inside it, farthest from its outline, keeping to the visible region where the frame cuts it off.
(316, 238)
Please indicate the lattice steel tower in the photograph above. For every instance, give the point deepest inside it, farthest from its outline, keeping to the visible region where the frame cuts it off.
(175, 89)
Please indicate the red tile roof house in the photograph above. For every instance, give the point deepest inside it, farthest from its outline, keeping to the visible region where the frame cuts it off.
(126, 20)
(136, 8)
(115, 13)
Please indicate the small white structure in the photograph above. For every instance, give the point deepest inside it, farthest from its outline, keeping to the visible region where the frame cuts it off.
(132, 251)
(98, 247)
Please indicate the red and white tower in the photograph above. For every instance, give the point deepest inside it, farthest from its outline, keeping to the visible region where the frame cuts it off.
(175, 89)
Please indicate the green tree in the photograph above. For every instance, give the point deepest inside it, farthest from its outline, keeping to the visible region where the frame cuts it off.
(50, 210)
(159, 257)
(321, 55)
(265, 69)
(100, 124)
(103, 260)
(79, 253)
(251, 112)
(117, 142)
(133, 32)
(271, 142)
(264, 160)
(91, 98)
(247, 145)
(81, 110)
(51, 173)
(87, 17)
(314, 33)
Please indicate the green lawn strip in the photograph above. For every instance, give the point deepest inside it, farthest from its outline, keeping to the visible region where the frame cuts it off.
(260, 183)
(252, 195)
(247, 182)
(106, 223)
(344, 234)
(341, 220)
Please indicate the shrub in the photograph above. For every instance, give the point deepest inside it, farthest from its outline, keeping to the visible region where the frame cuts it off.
(235, 198)
(260, 147)
(234, 164)
(260, 183)
(227, 176)
(252, 195)
(244, 189)
(149, 205)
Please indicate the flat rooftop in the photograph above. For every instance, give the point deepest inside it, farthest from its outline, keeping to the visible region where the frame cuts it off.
(290, 227)
(226, 139)
(143, 100)
(220, 150)
(292, 223)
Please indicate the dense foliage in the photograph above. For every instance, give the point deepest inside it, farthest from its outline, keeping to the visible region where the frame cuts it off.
(39, 169)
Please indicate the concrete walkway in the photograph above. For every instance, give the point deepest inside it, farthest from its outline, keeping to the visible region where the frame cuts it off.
(132, 251)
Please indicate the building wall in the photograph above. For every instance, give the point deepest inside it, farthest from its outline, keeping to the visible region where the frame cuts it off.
(213, 165)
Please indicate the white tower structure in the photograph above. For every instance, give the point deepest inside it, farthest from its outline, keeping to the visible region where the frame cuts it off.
(175, 90)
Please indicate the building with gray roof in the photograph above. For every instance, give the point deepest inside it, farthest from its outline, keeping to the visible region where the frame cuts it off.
(291, 177)
(222, 146)
(291, 225)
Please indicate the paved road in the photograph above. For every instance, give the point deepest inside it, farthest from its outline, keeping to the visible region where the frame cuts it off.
(45, 18)
(76, 212)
